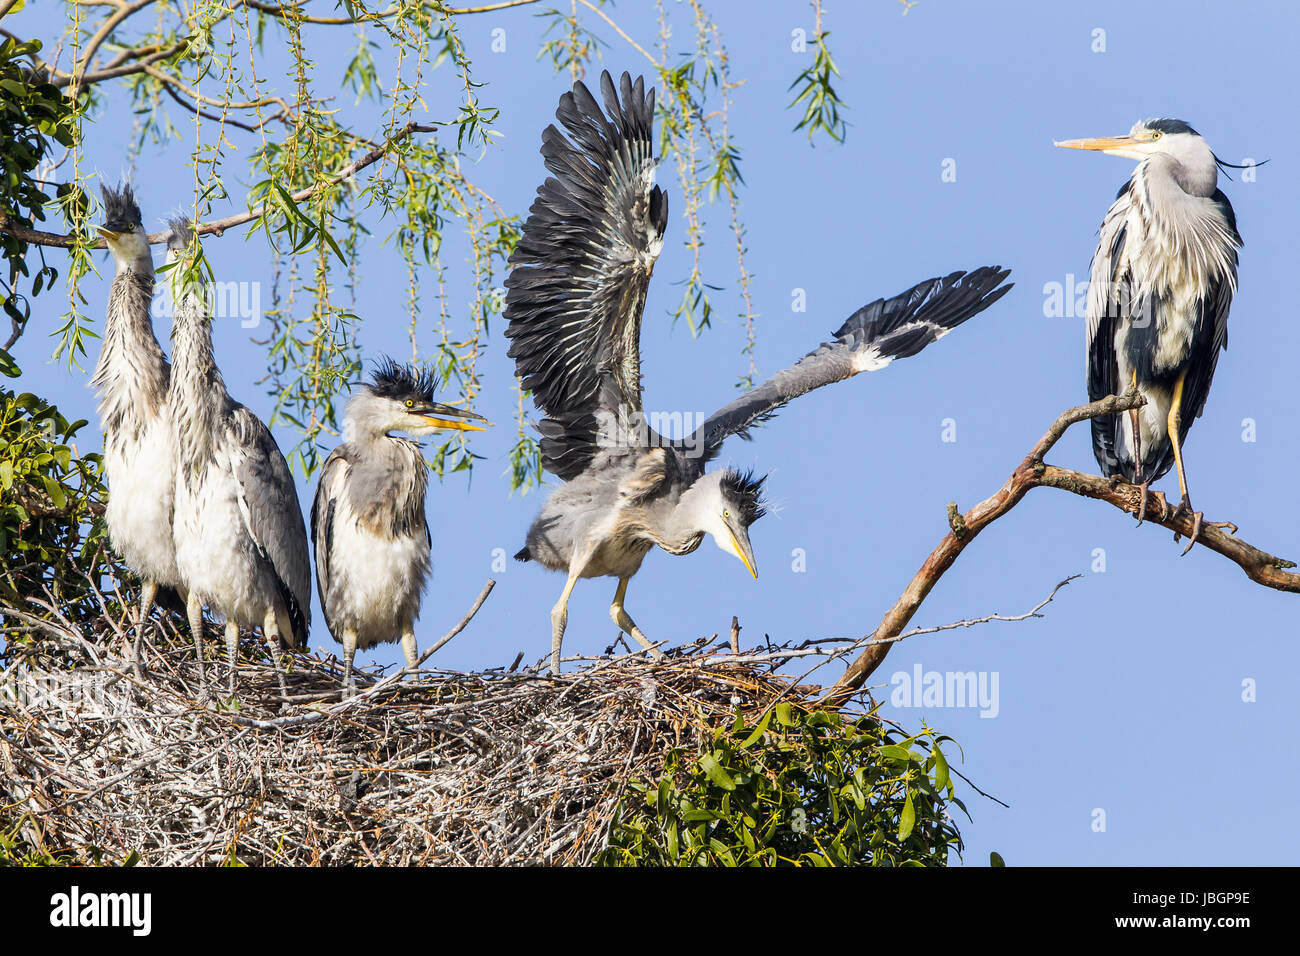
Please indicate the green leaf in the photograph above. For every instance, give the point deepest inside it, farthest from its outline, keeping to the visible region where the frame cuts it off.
(941, 777)
(716, 772)
(757, 735)
(995, 859)
(907, 820)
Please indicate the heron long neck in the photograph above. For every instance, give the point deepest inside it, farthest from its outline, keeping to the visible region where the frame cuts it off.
(132, 373)
(388, 484)
(199, 400)
(1185, 240)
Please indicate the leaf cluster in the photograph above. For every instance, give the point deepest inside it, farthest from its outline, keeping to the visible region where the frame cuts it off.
(798, 788)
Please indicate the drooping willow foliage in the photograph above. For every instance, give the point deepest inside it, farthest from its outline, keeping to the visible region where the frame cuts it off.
(382, 142)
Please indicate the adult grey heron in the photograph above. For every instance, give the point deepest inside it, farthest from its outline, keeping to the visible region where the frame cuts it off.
(368, 527)
(132, 378)
(574, 302)
(241, 547)
(1163, 277)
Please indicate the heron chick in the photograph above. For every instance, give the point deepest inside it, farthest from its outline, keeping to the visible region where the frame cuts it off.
(1163, 277)
(241, 546)
(132, 378)
(369, 531)
(574, 303)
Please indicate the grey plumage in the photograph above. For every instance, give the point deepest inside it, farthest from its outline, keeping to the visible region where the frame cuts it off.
(369, 532)
(131, 379)
(574, 305)
(1163, 277)
(241, 547)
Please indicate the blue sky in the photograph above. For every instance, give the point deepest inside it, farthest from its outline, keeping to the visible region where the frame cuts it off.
(1127, 697)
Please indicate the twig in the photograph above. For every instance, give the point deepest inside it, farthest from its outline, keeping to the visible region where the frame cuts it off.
(1261, 567)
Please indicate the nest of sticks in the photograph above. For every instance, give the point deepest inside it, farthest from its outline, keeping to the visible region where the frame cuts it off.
(502, 767)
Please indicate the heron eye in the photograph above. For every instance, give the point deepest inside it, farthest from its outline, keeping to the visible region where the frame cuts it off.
(410, 404)
(1156, 135)
(726, 513)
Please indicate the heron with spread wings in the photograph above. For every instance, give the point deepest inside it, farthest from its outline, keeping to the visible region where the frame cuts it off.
(575, 297)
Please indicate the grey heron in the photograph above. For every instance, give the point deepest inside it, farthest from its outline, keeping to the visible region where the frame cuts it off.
(131, 378)
(241, 547)
(368, 527)
(1163, 277)
(574, 305)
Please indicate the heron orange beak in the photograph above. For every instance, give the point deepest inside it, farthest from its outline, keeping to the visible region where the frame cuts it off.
(1100, 142)
(108, 235)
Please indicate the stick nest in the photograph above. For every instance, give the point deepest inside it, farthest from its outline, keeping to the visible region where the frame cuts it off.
(491, 768)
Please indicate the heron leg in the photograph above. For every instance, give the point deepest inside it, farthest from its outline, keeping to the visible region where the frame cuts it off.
(232, 650)
(560, 619)
(409, 646)
(625, 622)
(349, 652)
(146, 605)
(194, 611)
(271, 631)
(1174, 426)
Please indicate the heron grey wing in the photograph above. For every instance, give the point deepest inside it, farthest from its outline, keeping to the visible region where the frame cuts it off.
(1110, 274)
(872, 337)
(1209, 338)
(328, 489)
(580, 272)
(268, 501)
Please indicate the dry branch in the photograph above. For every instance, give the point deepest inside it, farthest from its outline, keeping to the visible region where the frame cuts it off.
(1033, 472)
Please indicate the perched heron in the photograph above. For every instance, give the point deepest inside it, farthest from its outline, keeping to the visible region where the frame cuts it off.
(368, 528)
(132, 378)
(574, 302)
(1163, 277)
(240, 542)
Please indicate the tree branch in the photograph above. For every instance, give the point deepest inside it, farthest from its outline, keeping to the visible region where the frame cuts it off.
(1261, 567)
(218, 226)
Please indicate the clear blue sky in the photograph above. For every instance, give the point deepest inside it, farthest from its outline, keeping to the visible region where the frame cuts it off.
(1127, 696)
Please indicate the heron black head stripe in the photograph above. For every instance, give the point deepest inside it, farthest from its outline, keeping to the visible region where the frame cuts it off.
(1171, 126)
(120, 207)
(400, 382)
(746, 492)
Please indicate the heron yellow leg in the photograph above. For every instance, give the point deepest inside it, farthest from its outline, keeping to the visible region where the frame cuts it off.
(1174, 425)
(271, 631)
(146, 605)
(1134, 421)
(349, 652)
(560, 619)
(194, 611)
(232, 649)
(626, 624)
(409, 646)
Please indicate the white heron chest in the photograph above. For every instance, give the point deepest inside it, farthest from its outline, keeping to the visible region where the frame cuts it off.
(141, 488)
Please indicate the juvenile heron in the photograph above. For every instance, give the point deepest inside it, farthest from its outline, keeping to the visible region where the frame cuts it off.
(368, 528)
(240, 543)
(1163, 277)
(132, 378)
(574, 303)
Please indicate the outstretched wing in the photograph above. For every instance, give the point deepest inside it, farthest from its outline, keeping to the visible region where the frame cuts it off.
(873, 337)
(579, 274)
(268, 502)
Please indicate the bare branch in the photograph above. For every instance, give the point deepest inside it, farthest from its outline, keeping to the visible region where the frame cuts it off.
(1261, 567)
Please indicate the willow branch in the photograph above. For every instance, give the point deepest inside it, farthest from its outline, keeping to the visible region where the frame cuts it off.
(1261, 567)
(217, 227)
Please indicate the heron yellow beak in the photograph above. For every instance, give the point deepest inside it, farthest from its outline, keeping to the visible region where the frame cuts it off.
(745, 552)
(456, 419)
(108, 235)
